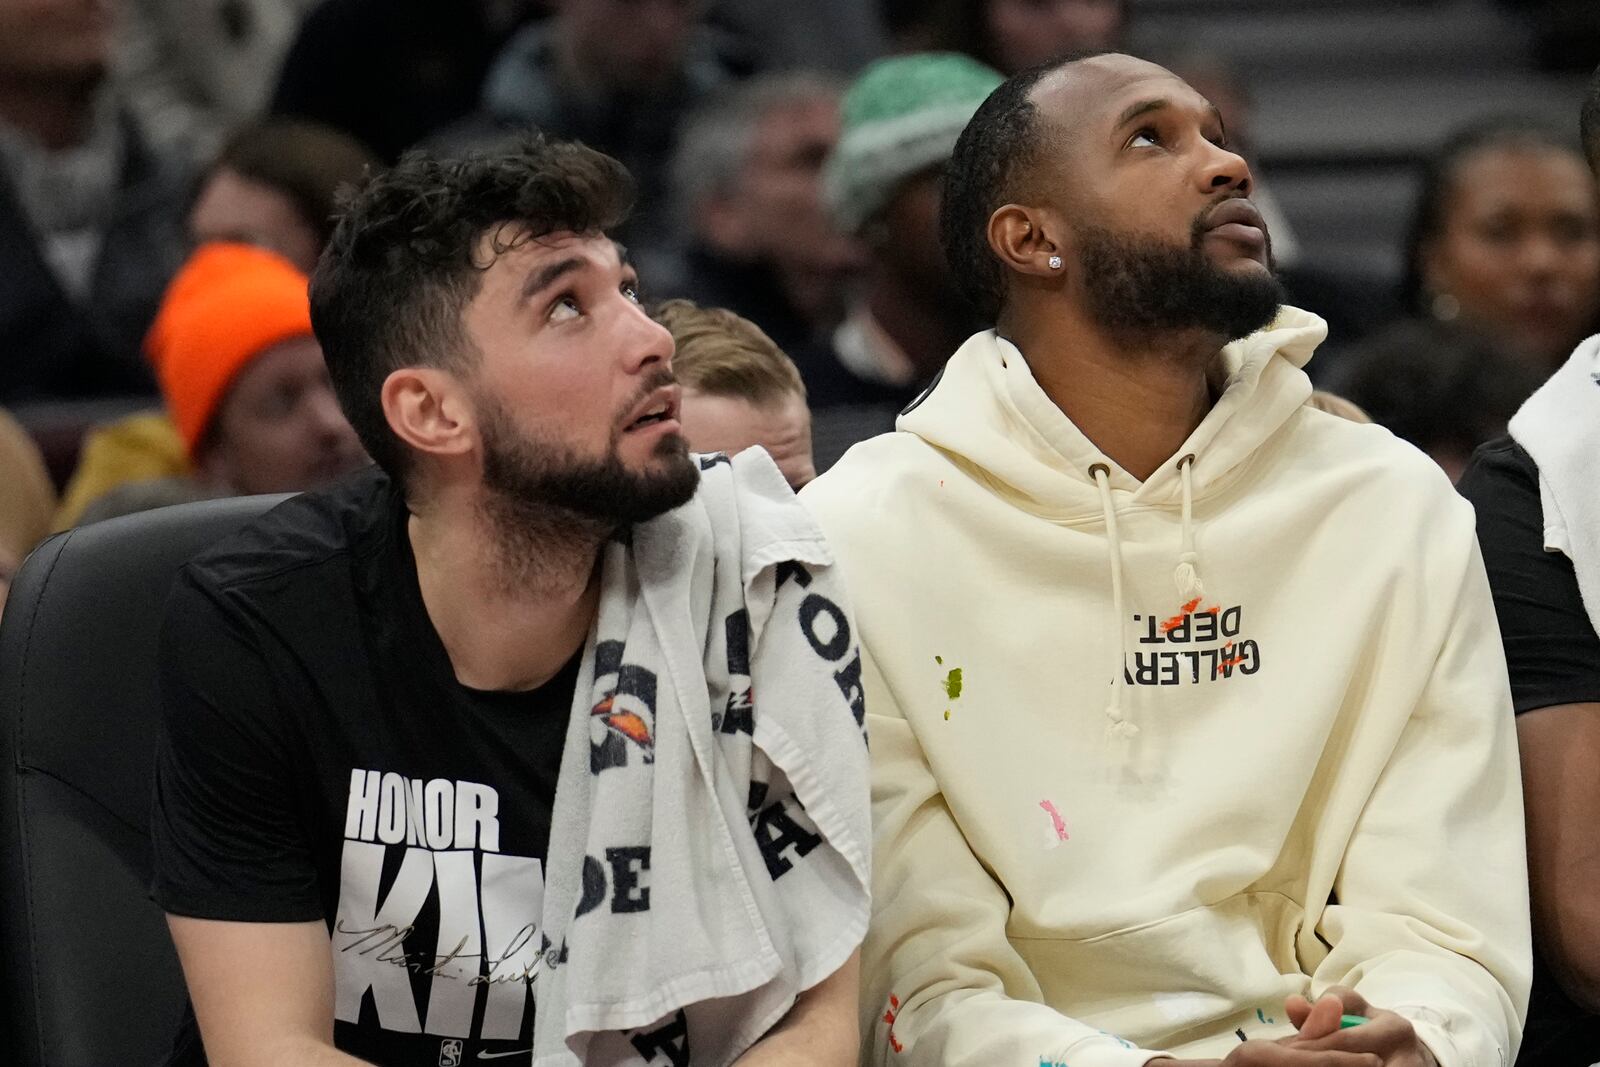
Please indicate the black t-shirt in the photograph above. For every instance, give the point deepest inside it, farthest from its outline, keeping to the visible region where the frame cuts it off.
(320, 761)
(1554, 657)
(1551, 646)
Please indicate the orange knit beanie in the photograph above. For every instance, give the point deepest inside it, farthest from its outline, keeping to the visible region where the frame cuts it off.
(229, 304)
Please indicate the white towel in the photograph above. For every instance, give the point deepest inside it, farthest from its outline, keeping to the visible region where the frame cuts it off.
(1559, 426)
(710, 842)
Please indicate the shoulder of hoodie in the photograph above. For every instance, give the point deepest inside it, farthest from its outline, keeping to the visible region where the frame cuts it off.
(868, 488)
(1405, 479)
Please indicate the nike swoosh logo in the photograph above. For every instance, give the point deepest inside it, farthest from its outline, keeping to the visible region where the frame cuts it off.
(482, 1055)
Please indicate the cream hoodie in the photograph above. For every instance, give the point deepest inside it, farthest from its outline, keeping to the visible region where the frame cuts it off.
(1304, 774)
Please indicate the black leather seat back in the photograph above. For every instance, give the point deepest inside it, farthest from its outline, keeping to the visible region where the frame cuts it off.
(90, 975)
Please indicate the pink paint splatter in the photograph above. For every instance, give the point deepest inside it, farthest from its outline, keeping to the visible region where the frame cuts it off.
(1057, 823)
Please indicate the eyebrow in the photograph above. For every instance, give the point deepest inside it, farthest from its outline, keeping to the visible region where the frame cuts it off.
(1145, 107)
(543, 278)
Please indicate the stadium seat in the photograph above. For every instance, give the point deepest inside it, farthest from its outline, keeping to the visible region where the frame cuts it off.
(91, 978)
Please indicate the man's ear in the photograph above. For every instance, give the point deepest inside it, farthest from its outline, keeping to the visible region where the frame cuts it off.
(1029, 242)
(429, 410)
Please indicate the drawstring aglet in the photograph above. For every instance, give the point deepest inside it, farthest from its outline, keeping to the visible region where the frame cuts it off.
(1187, 578)
(1119, 729)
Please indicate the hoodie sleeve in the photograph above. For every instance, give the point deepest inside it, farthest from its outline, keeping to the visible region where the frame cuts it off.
(941, 984)
(1430, 918)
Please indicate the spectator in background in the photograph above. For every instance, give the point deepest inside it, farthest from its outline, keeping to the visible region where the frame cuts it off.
(739, 389)
(907, 25)
(244, 383)
(841, 35)
(747, 181)
(274, 185)
(1012, 35)
(1538, 506)
(618, 75)
(195, 69)
(1445, 389)
(391, 72)
(90, 224)
(1506, 242)
(26, 499)
(901, 120)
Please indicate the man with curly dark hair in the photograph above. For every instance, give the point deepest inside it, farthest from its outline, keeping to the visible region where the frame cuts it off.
(461, 759)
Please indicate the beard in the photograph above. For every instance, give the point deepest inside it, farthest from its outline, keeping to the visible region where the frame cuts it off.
(537, 488)
(1146, 285)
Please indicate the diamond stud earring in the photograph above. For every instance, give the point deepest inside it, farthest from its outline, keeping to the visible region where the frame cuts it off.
(1055, 262)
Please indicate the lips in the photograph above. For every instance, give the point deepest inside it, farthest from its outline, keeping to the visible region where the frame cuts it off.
(1237, 220)
(659, 407)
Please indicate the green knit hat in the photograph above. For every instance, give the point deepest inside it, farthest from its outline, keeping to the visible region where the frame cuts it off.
(901, 116)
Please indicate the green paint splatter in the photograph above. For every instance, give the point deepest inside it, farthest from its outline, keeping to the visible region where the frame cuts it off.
(952, 683)
(939, 660)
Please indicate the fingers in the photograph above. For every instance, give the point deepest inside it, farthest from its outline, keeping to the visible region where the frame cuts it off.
(1322, 1019)
(1385, 1034)
(1298, 1008)
(1272, 1054)
(1354, 1003)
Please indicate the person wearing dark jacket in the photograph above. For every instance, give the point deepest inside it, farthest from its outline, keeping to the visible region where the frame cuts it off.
(90, 217)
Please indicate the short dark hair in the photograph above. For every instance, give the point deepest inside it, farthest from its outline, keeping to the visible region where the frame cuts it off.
(1589, 123)
(1431, 213)
(1437, 385)
(997, 149)
(402, 265)
(305, 161)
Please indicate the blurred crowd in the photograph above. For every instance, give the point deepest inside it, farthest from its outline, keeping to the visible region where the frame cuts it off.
(169, 170)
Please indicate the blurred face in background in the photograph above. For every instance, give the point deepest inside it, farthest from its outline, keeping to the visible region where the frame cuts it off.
(1519, 250)
(1024, 33)
(774, 212)
(63, 42)
(716, 423)
(628, 44)
(905, 237)
(279, 429)
(231, 207)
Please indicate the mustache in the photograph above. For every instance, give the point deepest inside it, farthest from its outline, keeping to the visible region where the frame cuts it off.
(658, 379)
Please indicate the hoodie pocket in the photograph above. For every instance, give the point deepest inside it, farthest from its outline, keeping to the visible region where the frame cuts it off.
(1168, 983)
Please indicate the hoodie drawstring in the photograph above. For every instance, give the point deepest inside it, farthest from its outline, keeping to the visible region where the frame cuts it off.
(1187, 575)
(1118, 727)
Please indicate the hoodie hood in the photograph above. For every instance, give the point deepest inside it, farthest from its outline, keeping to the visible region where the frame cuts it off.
(987, 410)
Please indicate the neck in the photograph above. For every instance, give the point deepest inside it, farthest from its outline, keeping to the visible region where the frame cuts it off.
(1138, 398)
(927, 331)
(56, 118)
(512, 597)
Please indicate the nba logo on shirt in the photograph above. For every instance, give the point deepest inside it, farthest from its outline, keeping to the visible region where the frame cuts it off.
(450, 1054)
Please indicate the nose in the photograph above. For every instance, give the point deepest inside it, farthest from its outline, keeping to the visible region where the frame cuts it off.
(327, 418)
(1223, 169)
(1540, 256)
(646, 343)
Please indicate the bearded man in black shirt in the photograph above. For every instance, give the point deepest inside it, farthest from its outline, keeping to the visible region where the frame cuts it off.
(373, 692)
